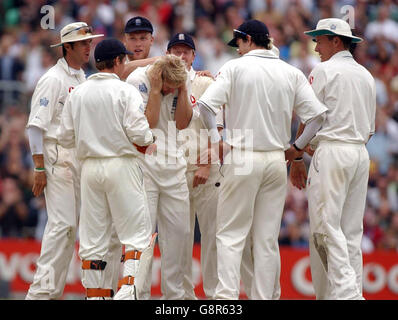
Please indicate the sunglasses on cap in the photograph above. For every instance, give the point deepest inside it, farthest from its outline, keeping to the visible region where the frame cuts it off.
(80, 31)
(239, 33)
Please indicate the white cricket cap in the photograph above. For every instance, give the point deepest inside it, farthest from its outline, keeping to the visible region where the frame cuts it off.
(76, 31)
(333, 26)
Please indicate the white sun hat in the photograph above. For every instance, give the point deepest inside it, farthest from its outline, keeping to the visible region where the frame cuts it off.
(333, 26)
(76, 31)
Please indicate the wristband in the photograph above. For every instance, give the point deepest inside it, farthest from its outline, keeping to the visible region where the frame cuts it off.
(39, 169)
(297, 148)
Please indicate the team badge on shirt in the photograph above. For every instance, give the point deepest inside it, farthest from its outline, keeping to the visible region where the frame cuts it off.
(142, 87)
(44, 102)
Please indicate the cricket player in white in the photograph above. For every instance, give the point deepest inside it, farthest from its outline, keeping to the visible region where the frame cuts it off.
(203, 192)
(338, 175)
(102, 119)
(56, 169)
(163, 87)
(203, 184)
(138, 39)
(260, 92)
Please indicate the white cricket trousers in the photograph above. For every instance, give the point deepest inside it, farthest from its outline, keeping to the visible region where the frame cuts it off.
(251, 201)
(169, 210)
(336, 187)
(203, 203)
(62, 195)
(113, 200)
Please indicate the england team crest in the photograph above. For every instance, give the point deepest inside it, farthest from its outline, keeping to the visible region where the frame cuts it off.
(44, 102)
(142, 87)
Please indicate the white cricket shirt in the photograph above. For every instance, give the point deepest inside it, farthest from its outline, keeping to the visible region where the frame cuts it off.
(195, 136)
(49, 97)
(260, 92)
(102, 118)
(349, 92)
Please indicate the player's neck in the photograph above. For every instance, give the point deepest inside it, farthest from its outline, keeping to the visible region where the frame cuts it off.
(72, 63)
(256, 47)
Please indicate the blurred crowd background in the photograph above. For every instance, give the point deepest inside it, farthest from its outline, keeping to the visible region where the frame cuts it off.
(25, 55)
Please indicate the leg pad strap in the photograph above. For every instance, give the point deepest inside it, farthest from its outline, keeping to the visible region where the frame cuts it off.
(98, 292)
(129, 280)
(133, 254)
(93, 264)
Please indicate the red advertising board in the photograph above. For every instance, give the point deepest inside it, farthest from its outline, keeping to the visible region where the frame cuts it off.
(17, 265)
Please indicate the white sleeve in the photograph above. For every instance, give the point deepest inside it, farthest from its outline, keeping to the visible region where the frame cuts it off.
(209, 121)
(141, 83)
(306, 104)
(193, 101)
(374, 107)
(218, 93)
(310, 131)
(35, 136)
(196, 88)
(134, 120)
(44, 102)
(220, 119)
(66, 130)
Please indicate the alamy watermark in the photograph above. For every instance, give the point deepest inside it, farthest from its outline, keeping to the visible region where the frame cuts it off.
(348, 15)
(48, 19)
(194, 147)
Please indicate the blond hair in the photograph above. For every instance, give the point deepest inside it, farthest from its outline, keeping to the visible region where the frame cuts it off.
(199, 85)
(173, 69)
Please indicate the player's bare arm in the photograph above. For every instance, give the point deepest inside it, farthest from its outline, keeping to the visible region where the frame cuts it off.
(298, 170)
(155, 96)
(132, 65)
(183, 112)
(201, 175)
(39, 175)
(205, 73)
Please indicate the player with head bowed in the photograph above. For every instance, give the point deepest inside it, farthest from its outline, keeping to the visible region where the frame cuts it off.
(164, 89)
